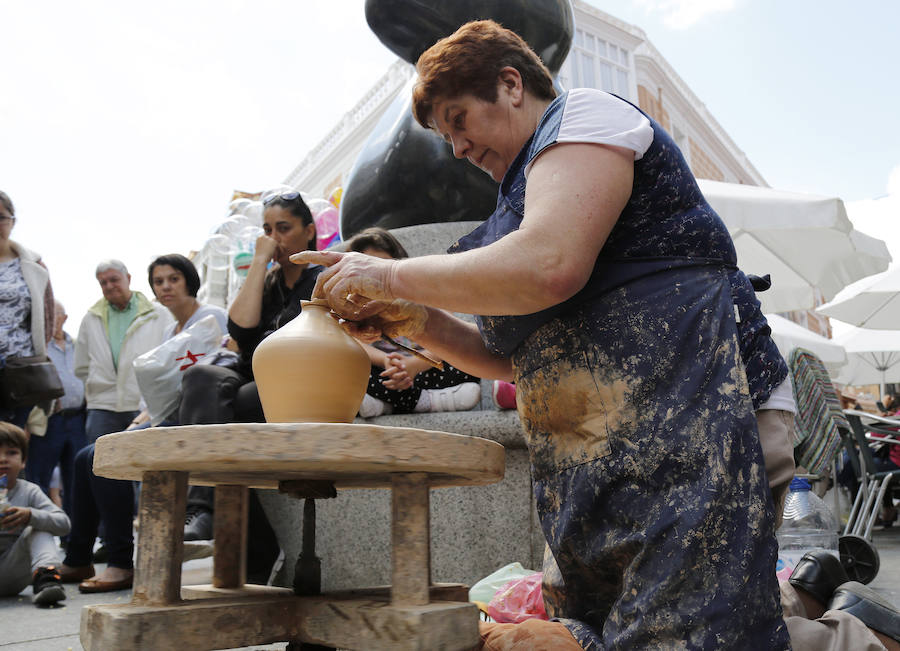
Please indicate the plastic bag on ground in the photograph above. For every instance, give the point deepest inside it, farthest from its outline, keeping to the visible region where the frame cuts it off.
(518, 600)
(487, 587)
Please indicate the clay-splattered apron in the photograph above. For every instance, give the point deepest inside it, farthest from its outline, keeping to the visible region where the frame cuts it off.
(648, 474)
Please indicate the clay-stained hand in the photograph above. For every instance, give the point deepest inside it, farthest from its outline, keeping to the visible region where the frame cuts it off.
(399, 318)
(356, 286)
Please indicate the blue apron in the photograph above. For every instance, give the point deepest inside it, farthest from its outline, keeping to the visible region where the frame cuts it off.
(647, 469)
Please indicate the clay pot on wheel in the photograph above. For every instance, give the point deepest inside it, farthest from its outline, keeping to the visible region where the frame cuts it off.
(310, 370)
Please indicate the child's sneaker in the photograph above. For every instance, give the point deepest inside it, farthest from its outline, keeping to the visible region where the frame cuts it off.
(47, 587)
(504, 394)
(461, 397)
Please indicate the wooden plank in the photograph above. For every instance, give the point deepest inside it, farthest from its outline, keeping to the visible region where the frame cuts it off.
(410, 540)
(222, 623)
(208, 591)
(157, 572)
(230, 535)
(341, 479)
(295, 451)
(437, 592)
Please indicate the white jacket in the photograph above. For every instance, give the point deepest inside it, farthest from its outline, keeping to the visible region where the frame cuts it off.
(105, 387)
(38, 280)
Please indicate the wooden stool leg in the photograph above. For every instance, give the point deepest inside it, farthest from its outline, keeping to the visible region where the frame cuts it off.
(157, 573)
(230, 535)
(410, 540)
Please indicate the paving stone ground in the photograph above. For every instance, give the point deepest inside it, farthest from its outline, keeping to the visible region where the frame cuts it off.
(23, 627)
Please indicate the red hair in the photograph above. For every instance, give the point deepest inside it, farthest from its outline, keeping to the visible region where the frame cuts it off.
(469, 61)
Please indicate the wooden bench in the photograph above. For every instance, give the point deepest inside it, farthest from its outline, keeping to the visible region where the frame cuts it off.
(310, 460)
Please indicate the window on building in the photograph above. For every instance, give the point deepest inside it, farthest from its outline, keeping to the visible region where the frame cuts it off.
(681, 139)
(599, 64)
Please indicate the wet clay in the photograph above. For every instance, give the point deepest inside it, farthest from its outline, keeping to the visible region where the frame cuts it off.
(310, 370)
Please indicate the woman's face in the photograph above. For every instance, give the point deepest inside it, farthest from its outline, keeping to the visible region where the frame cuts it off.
(169, 286)
(288, 231)
(480, 131)
(7, 221)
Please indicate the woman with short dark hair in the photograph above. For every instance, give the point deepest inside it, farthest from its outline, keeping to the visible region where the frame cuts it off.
(180, 264)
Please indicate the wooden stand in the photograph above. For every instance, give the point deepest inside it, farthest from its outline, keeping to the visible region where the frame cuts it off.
(411, 614)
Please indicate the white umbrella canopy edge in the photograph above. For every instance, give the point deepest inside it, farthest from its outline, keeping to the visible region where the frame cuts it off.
(806, 243)
(754, 207)
(788, 335)
(873, 302)
(873, 357)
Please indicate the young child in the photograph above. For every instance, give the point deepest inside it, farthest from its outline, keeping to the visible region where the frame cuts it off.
(400, 383)
(28, 522)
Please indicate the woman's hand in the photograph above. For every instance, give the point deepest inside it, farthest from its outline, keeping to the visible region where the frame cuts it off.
(265, 249)
(355, 285)
(398, 318)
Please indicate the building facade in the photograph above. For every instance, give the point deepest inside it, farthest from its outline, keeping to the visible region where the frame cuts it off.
(608, 54)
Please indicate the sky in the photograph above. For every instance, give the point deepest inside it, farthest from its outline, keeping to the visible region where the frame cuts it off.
(125, 127)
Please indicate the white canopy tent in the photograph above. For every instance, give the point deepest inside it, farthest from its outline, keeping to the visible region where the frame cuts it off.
(806, 243)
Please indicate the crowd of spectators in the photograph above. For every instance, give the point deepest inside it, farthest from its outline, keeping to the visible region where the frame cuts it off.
(95, 517)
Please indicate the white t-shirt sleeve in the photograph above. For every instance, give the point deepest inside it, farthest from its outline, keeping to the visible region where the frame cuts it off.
(593, 116)
(781, 398)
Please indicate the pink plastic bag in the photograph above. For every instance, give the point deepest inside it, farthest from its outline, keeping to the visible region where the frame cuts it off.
(518, 600)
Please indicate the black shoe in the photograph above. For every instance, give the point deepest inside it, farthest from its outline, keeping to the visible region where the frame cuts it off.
(47, 587)
(868, 606)
(819, 573)
(198, 525)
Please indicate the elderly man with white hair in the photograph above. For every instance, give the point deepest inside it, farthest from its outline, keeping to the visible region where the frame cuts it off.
(116, 329)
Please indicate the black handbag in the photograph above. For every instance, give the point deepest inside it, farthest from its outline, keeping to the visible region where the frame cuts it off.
(27, 381)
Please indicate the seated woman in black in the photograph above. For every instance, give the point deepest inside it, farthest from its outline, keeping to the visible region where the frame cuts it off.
(268, 299)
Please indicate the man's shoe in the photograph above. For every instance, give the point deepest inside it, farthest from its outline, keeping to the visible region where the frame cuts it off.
(98, 585)
(819, 573)
(868, 606)
(198, 525)
(47, 587)
(75, 574)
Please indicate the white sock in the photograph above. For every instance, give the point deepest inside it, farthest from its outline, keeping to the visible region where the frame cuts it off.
(424, 404)
(372, 407)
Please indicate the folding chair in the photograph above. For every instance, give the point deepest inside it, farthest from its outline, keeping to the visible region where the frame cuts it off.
(820, 429)
(874, 483)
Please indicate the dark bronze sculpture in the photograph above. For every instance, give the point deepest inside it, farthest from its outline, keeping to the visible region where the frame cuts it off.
(406, 175)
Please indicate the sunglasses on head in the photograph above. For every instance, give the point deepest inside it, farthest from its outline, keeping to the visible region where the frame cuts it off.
(289, 195)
